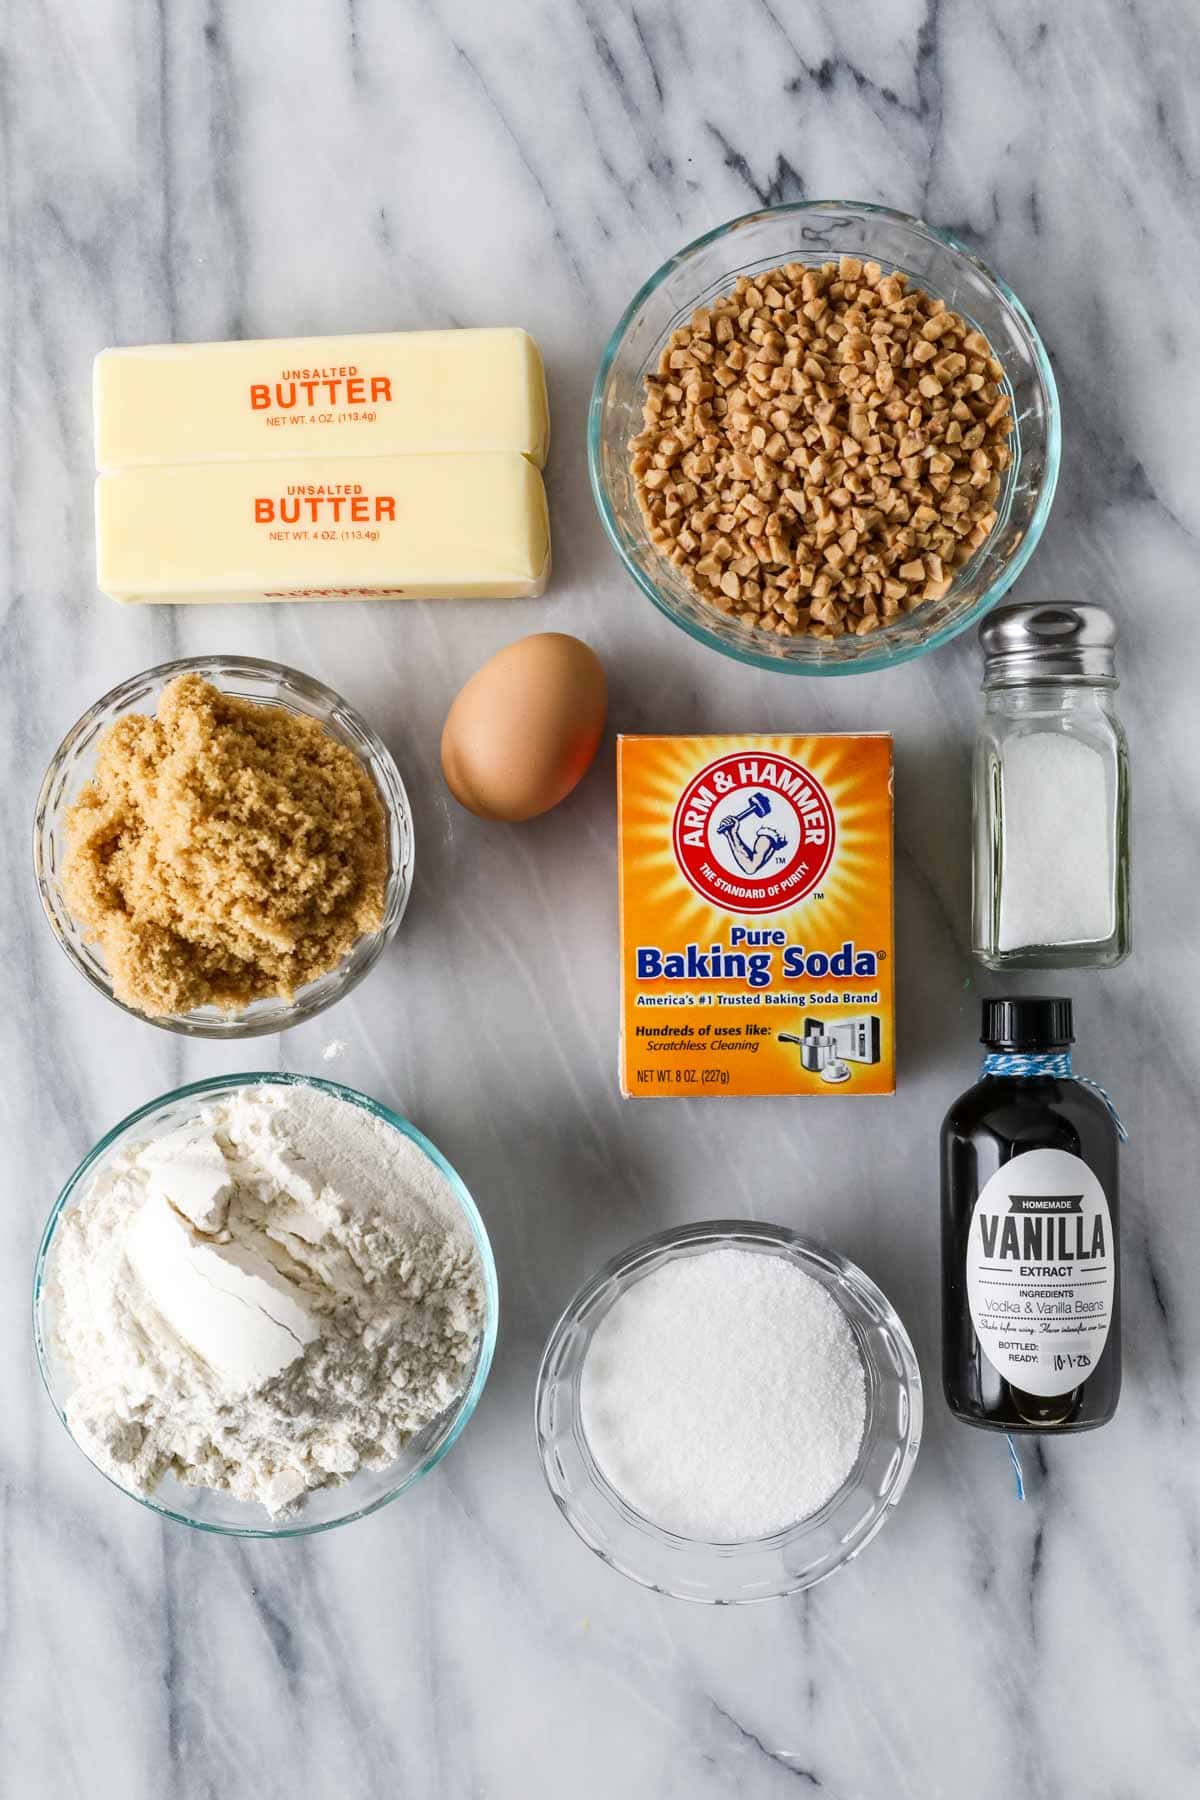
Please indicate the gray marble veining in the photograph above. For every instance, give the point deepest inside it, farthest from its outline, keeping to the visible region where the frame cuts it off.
(207, 170)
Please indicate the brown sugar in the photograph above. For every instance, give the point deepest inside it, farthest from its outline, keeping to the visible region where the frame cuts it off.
(223, 852)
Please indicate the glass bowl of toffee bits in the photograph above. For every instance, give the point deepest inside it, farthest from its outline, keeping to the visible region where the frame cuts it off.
(824, 438)
(223, 846)
(727, 1412)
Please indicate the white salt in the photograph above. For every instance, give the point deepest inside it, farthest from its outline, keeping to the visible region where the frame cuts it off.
(724, 1396)
(1056, 883)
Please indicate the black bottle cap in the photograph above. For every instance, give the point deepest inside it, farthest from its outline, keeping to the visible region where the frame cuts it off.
(1028, 1022)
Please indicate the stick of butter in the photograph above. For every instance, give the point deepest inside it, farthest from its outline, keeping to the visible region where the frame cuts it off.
(383, 394)
(333, 528)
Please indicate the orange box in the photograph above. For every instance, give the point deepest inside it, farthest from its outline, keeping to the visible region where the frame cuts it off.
(756, 915)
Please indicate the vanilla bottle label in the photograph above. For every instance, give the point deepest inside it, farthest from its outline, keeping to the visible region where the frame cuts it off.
(1041, 1271)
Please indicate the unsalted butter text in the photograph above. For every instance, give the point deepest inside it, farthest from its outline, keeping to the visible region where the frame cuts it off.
(325, 504)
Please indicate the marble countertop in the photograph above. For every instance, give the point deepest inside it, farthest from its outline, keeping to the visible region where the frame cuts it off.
(197, 171)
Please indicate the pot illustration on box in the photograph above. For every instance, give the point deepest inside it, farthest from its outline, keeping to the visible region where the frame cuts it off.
(827, 1046)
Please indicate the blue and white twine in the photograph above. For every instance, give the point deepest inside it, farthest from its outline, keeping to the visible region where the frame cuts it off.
(1053, 1063)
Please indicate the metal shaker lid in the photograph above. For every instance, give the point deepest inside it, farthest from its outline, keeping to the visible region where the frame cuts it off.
(1053, 640)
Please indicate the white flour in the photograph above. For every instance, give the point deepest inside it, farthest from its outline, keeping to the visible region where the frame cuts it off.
(265, 1302)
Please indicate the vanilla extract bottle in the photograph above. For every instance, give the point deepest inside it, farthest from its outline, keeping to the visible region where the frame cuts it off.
(1031, 1288)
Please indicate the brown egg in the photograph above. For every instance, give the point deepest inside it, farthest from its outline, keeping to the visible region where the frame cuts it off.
(525, 728)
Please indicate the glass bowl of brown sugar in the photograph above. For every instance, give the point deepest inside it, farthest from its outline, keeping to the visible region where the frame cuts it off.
(275, 688)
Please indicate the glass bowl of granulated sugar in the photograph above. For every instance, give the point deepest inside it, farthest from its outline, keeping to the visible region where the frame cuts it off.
(265, 1305)
(727, 1412)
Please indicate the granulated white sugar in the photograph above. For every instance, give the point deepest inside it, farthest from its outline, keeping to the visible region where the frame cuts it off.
(724, 1396)
(1057, 871)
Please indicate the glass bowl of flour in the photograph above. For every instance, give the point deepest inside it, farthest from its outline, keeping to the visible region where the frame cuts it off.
(265, 1305)
(727, 1412)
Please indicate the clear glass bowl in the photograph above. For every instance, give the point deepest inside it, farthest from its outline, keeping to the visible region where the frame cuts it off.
(761, 1568)
(365, 1492)
(268, 684)
(813, 232)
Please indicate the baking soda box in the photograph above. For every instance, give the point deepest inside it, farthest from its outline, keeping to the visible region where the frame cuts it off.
(756, 915)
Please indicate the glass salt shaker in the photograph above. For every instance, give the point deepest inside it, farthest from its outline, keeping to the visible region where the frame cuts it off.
(1051, 793)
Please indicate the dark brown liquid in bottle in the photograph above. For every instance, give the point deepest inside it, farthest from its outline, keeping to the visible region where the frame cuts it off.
(1001, 1117)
